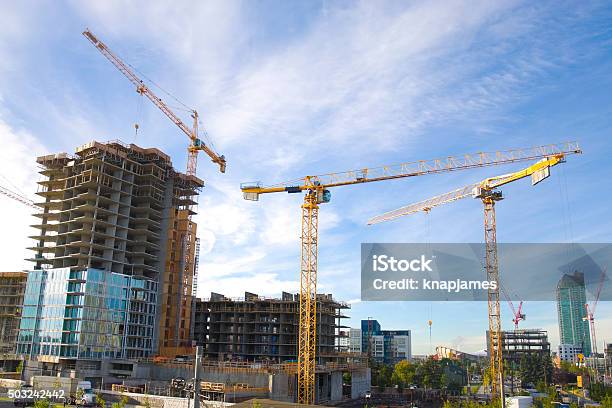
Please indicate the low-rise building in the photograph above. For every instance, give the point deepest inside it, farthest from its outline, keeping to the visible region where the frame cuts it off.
(355, 341)
(386, 346)
(569, 352)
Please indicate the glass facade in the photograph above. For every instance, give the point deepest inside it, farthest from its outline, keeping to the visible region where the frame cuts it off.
(388, 346)
(87, 314)
(571, 300)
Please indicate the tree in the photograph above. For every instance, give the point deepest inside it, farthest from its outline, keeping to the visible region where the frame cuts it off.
(19, 368)
(403, 373)
(430, 373)
(384, 376)
(42, 403)
(536, 369)
(121, 403)
(79, 394)
(100, 401)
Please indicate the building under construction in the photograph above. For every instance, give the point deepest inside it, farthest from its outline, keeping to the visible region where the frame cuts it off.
(12, 288)
(519, 343)
(257, 328)
(115, 251)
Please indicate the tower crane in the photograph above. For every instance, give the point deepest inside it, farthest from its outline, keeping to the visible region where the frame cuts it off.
(196, 144)
(487, 191)
(316, 189)
(517, 313)
(590, 311)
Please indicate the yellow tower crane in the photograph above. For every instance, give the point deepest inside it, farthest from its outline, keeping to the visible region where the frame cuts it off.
(486, 190)
(316, 190)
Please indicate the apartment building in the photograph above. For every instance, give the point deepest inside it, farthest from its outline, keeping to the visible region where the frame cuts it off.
(114, 258)
(386, 346)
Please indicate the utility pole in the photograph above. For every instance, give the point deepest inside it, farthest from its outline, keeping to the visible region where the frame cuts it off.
(501, 389)
(196, 377)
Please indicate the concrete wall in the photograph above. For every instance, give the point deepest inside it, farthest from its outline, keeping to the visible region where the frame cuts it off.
(279, 387)
(361, 381)
(257, 379)
(336, 386)
(156, 401)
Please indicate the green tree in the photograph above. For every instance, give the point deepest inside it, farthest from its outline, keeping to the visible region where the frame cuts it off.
(384, 376)
(100, 401)
(79, 393)
(19, 367)
(121, 403)
(42, 403)
(403, 373)
(430, 373)
(147, 401)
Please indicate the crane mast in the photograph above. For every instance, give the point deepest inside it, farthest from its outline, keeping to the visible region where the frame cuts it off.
(590, 311)
(316, 189)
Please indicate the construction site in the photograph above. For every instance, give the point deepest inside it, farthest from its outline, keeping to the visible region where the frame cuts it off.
(112, 295)
(265, 329)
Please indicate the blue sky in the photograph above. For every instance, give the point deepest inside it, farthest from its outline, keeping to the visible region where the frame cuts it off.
(287, 89)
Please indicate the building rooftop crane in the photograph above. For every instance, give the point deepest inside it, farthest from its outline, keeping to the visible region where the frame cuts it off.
(487, 191)
(196, 144)
(316, 190)
(590, 311)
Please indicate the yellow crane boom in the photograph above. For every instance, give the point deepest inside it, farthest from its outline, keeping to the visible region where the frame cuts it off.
(473, 190)
(252, 191)
(486, 190)
(196, 144)
(317, 192)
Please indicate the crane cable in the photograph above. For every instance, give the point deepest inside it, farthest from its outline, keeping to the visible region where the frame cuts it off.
(184, 107)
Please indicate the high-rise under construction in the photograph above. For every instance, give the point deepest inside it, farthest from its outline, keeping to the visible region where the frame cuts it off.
(114, 259)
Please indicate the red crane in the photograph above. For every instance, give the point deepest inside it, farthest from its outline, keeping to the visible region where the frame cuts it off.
(517, 314)
(590, 311)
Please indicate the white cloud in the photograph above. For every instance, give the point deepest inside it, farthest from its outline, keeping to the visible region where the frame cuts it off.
(18, 168)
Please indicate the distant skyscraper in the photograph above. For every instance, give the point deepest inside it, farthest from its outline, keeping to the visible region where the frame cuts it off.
(571, 300)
